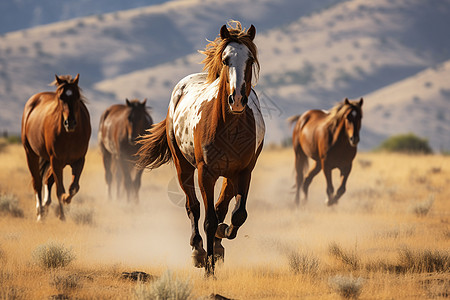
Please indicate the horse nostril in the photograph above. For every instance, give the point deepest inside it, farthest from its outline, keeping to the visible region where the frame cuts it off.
(230, 99)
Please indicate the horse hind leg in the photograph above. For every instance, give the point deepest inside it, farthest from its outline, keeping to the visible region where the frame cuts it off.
(309, 177)
(107, 164)
(301, 163)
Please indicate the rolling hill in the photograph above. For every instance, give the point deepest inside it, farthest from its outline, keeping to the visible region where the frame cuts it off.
(312, 55)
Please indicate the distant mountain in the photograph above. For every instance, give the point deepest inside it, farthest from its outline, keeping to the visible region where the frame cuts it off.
(312, 54)
(348, 50)
(105, 46)
(24, 14)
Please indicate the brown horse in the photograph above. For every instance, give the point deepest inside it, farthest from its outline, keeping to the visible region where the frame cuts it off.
(120, 126)
(330, 139)
(214, 124)
(55, 133)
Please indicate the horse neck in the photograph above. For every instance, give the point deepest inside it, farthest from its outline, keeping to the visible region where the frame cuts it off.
(339, 135)
(221, 104)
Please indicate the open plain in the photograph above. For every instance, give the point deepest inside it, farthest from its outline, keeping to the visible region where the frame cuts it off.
(388, 238)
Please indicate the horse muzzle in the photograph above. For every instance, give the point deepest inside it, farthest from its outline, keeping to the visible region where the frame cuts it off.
(237, 103)
(69, 125)
(354, 140)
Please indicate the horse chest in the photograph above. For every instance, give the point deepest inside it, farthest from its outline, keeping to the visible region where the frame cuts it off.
(231, 148)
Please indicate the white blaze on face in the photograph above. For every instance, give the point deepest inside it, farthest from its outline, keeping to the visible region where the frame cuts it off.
(69, 93)
(236, 56)
(354, 113)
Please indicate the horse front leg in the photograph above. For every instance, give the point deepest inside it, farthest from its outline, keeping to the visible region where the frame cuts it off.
(33, 166)
(330, 190)
(341, 190)
(227, 193)
(206, 181)
(49, 181)
(239, 214)
(77, 168)
(57, 170)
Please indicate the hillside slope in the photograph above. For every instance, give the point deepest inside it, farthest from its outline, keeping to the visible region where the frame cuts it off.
(105, 46)
(348, 50)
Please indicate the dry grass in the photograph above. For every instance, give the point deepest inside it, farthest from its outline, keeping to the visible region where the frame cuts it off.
(370, 246)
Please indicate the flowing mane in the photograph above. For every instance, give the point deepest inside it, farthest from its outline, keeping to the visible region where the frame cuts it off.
(338, 111)
(213, 51)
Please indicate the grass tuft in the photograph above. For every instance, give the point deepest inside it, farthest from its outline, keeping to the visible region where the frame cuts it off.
(349, 258)
(9, 205)
(421, 209)
(346, 287)
(53, 255)
(82, 216)
(165, 288)
(424, 260)
(303, 263)
(65, 284)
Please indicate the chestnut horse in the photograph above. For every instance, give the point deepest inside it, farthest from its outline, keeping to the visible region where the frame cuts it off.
(330, 139)
(214, 123)
(55, 133)
(120, 126)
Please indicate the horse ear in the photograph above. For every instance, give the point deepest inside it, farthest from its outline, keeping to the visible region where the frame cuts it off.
(58, 81)
(144, 102)
(128, 102)
(224, 33)
(346, 101)
(361, 101)
(75, 81)
(251, 32)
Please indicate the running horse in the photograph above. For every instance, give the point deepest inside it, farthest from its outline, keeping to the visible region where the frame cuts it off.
(55, 133)
(330, 139)
(120, 127)
(214, 124)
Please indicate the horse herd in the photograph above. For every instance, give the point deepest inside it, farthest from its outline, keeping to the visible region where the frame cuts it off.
(214, 124)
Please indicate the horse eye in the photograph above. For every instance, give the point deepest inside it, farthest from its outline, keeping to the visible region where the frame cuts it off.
(225, 61)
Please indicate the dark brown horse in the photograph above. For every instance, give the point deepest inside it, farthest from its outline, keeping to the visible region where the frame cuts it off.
(214, 124)
(55, 133)
(330, 139)
(120, 126)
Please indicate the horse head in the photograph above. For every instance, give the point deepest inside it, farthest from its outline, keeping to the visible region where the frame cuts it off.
(237, 60)
(69, 95)
(138, 119)
(232, 57)
(352, 117)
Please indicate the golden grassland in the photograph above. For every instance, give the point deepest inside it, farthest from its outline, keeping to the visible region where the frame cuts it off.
(389, 237)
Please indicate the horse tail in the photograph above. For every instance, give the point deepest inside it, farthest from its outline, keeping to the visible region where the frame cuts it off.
(293, 119)
(154, 151)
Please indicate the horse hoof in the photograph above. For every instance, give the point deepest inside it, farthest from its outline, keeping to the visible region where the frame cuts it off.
(219, 254)
(66, 199)
(221, 231)
(198, 258)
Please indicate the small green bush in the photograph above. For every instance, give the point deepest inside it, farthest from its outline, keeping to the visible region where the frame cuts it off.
(53, 255)
(406, 143)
